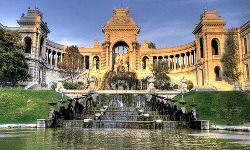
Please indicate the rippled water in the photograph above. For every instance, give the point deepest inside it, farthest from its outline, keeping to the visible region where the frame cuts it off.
(121, 139)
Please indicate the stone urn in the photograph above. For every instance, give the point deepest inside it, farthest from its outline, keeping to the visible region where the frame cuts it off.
(92, 81)
(151, 86)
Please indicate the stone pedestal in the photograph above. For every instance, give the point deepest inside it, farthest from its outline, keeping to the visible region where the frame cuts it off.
(44, 123)
(200, 124)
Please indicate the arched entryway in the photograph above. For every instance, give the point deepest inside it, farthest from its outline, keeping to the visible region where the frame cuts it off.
(145, 60)
(120, 54)
(41, 46)
(96, 62)
(215, 47)
(217, 73)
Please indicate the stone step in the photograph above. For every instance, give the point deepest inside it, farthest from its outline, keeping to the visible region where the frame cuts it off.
(39, 87)
(204, 88)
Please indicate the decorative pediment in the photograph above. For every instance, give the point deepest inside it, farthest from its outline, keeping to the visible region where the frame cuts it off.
(209, 18)
(121, 20)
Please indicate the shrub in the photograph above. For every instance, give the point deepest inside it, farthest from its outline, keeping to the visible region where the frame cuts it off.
(175, 86)
(167, 86)
(53, 85)
(190, 85)
(70, 86)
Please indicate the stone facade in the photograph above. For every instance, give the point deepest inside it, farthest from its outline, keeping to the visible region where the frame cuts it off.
(198, 60)
(41, 54)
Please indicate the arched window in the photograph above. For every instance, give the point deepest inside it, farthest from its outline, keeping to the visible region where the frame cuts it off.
(201, 47)
(245, 45)
(154, 59)
(217, 73)
(86, 62)
(41, 46)
(96, 62)
(247, 71)
(27, 41)
(215, 47)
(144, 62)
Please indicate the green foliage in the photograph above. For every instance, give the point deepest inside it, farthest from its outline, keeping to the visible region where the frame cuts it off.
(160, 71)
(221, 108)
(71, 86)
(167, 86)
(151, 45)
(26, 106)
(13, 67)
(175, 86)
(72, 61)
(112, 77)
(190, 85)
(53, 85)
(230, 58)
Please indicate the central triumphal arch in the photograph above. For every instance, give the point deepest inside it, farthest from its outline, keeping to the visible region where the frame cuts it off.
(198, 61)
(121, 38)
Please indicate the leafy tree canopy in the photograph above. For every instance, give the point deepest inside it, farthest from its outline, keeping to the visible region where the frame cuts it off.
(160, 71)
(230, 58)
(72, 61)
(151, 45)
(13, 67)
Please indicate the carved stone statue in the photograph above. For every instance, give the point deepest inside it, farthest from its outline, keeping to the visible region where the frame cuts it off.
(120, 62)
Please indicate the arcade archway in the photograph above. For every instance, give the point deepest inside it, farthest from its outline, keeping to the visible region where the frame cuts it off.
(120, 55)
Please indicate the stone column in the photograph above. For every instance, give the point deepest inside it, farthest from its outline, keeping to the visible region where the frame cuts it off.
(107, 57)
(185, 59)
(194, 58)
(56, 58)
(47, 51)
(168, 61)
(174, 62)
(51, 57)
(190, 58)
(178, 61)
(84, 65)
(61, 57)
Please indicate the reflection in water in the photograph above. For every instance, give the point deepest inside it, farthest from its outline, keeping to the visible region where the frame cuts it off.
(118, 139)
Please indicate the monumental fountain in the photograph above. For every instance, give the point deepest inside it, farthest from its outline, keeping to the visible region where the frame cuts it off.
(148, 111)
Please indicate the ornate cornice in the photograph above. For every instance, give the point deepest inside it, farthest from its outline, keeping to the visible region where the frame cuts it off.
(245, 27)
(208, 18)
(121, 21)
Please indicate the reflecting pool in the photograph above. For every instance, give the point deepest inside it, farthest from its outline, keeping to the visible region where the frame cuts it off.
(76, 138)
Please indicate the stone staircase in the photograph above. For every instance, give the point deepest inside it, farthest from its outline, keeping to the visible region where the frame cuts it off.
(224, 86)
(217, 86)
(137, 115)
(38, 87)
(204, 88)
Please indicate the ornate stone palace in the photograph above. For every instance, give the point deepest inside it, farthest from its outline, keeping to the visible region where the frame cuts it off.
(198, 60)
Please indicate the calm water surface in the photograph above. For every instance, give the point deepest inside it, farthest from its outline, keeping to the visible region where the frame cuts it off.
(30, 139)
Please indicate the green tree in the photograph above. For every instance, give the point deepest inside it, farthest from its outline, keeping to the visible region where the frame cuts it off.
(151, 45)
(72, 62)
(230, 58)
(160, 71)
(13, 67)
(190, 85)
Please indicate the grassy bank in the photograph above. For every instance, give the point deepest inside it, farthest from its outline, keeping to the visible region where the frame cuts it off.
(25, 106)
(221, 108)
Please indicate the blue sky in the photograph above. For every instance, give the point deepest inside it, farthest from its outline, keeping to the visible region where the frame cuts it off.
(164, 22)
